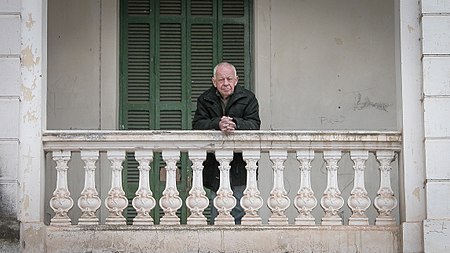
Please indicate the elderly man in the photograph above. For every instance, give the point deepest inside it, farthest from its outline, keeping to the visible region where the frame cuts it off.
(226, 107)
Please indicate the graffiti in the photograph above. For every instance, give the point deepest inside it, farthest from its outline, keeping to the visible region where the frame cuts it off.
(361, 104)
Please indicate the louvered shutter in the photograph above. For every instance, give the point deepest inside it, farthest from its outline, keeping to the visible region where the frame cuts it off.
(168, 51)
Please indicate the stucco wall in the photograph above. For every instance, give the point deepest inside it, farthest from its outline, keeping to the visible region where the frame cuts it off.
(326, 64)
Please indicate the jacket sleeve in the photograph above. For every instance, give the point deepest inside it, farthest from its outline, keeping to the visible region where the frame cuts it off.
(202, 119)
(250, 119)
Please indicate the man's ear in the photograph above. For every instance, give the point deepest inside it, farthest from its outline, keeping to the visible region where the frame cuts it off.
(214, 83)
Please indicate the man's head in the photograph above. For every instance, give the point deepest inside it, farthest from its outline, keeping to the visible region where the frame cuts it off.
(225, 79)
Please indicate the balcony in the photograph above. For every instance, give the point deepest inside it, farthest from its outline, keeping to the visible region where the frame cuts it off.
(339, 198)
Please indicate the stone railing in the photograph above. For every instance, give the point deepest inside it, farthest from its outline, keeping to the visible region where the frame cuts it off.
(384, 146)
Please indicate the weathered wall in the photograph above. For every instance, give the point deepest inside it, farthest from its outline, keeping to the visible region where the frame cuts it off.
(326, 64)
(10, 85)
(436, 102)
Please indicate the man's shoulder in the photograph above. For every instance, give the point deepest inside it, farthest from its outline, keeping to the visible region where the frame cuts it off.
(242, 91)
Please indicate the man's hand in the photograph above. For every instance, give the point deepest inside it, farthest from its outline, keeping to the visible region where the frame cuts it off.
(227, 125)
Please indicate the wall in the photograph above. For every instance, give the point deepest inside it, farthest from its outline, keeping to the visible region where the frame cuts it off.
(9, 128)
(326, 64)
(436, 102)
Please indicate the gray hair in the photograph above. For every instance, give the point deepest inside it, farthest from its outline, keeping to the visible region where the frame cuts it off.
(224, 64)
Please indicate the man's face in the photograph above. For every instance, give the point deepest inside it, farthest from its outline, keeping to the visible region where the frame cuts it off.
(225, 80)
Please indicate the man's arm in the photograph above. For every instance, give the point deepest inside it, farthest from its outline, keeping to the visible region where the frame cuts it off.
(202, 119)
(250, 120)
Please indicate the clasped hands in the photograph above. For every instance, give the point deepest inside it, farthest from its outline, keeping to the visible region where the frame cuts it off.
(227, 125)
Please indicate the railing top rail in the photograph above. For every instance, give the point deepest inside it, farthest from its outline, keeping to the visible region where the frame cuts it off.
(213, 140)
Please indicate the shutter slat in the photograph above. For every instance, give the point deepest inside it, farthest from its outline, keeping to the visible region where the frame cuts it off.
(233, 47)
(233, 8)
(170, 7)
(138, 7)
(201, 7)
(170, 63)
(170, 120)
(138, 119)
(138, 63)
(201, 58)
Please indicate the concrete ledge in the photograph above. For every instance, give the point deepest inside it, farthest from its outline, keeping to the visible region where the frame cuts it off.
(291, 238)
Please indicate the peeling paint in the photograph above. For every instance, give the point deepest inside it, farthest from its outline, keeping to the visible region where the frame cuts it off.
(30, 116)
(416, 193)
(30, 22)
(410, 29)
(339, 41)
(28, 58)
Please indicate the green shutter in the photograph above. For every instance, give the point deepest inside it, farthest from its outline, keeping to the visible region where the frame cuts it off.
(168, 49)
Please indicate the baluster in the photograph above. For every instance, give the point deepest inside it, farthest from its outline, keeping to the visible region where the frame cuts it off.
(331, 200)
(305, 201)
(224, 201)
(116, 201)
(251, 202)
(89, 202)
(385, 201)
(359, 200)
(197, 201)
(61, 202)
(170, 201)
(278, 201)
(143, 202)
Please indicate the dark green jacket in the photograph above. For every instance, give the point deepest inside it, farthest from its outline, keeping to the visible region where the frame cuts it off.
(243, 107)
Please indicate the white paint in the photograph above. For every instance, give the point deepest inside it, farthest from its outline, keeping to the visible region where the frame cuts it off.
(438, 203)
(436, 76)
(436, 34)
(9, 6)
(10, 35)
(437, 115)
(437, 235)
(412, 157)
(10, 111)
(435, 6)
(438, 161)
(32, 113)
(10, 81)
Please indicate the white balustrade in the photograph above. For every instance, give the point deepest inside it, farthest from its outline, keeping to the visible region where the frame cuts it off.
(197, 201)
(278, 201)
(359, 200)
(89, 202)
(170, 201)
(143, 202)
(61, 202)
(116, 201)
(305, 201)
(224, 201)
(252, 201)
(252, 145)
(331, 200)
(385, 201)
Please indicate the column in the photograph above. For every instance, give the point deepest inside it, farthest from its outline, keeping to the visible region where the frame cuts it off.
(278, 201)
(61, 202)
(89, 202)
(197, 201)
(331, 200)
(305, 201)
(251, 202)
(224, 201)
(143, 202)
(116, 201)
(359, 200)
(170, 201)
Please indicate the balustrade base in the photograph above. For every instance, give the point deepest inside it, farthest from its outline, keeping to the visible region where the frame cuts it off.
(333, 221)
(278, 220)
(197, 220)
(251, 220)
(385, 221)
(358, 221)
(305, 221)
(143, 221)
(60, 222)
(116, 221)
(223, 219)
(88, 221)
(170, 220)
